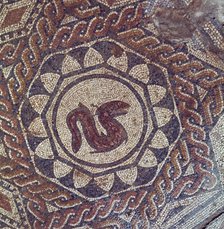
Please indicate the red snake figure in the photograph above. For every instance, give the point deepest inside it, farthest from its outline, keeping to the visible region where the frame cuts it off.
(116, 134)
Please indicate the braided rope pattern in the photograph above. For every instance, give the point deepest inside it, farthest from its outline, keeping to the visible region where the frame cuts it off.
(18, 167)
(37, 190)
(99, 209)
(186, 74)
(65, 37)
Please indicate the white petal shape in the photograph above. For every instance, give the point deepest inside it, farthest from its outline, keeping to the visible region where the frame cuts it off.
(120, 63)
(80, 179)
(92, 58)
(159, 140)
(38, 102)
(49, 81)
(128, 176)
(140, 72)
(163, 115)
(44, 150)
(156, 93)
(61, 169)
(36, 128)
(69, 65)
(148, 159)
(105, 182)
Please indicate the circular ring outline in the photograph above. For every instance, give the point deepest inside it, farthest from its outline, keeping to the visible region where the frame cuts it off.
(138, 97)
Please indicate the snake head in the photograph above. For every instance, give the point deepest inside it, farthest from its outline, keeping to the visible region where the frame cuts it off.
(120, 108)
(113, 108)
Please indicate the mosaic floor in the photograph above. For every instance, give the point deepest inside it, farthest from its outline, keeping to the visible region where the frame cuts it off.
(105, 122)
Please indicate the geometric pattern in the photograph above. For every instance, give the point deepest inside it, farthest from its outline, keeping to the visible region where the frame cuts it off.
(12, 211)
(162, 167)
(154, 118)
(17, 19)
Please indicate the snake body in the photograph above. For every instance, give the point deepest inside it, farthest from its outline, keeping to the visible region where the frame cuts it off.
(100, 142)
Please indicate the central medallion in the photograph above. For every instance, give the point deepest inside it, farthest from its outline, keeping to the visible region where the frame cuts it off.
(98, 123)
(99, 120)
